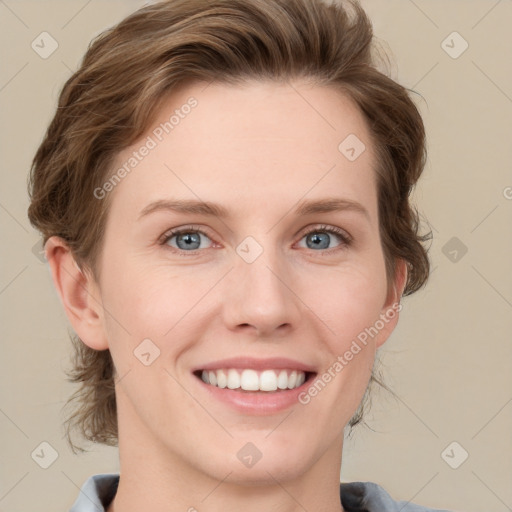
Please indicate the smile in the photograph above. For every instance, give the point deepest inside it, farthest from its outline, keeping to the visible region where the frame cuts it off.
(254, 386)
(252, 380)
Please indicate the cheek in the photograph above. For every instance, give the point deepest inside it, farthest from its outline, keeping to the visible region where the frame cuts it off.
(153, 303)
(346, 300)
(348, 303)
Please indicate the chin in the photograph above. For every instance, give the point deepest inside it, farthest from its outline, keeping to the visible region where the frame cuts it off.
(261, 467)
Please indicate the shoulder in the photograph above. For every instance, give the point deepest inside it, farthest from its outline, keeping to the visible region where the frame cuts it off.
(96, 493)
(371, 497)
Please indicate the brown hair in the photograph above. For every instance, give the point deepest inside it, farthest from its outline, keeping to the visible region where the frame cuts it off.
(127, 72)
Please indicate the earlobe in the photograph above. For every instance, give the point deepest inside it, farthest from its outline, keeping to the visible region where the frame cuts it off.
(79, 294)
(391, 309)
(397, 287)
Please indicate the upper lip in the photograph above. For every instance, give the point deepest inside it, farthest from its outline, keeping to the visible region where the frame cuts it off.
(241, 363)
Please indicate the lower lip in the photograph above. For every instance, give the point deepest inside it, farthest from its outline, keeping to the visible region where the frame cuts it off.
(256, 402)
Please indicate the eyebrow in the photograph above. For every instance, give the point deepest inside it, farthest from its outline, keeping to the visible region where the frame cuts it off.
(206, 208)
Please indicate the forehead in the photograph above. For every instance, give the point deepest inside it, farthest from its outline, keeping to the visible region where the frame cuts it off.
(261, 143)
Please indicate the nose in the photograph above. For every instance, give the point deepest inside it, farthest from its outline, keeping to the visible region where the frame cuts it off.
(258, 297)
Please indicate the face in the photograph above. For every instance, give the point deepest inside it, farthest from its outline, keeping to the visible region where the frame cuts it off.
(243, 247)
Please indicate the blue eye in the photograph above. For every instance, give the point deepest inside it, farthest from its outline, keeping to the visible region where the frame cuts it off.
(187, 239)
(320, 237)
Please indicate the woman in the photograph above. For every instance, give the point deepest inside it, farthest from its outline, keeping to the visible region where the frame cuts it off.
(224, 199)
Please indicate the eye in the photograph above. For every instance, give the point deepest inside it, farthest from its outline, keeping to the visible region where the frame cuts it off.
(191, 238)
(320, 237)
(186, 239)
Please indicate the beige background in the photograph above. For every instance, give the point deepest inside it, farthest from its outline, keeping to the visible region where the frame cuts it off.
(450, 358)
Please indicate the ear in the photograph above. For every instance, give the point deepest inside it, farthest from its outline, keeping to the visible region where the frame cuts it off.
(391, 309)
(79, 294)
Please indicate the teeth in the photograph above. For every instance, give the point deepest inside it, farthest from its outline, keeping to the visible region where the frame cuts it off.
(282, 380)
(222, 379)
(292, 380)
(268, 380)
(233, 379)
(251, 380)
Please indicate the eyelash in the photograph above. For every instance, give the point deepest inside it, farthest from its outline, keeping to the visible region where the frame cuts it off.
(346, 239)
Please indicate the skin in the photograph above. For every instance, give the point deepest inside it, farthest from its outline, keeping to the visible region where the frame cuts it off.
(257, 150)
